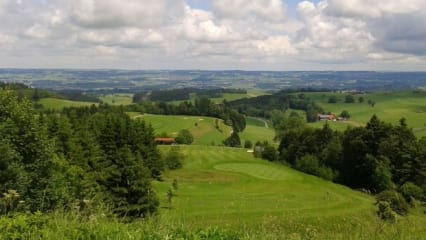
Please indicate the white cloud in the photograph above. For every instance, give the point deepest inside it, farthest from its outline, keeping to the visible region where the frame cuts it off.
(117, 13)
(240, 33)
(270, 10)
(372, 8)
(325, 37)
(200, 25)
(278, 45)
(105, 50)
(37, 31)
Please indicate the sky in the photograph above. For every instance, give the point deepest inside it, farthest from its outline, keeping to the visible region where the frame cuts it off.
(283, 35)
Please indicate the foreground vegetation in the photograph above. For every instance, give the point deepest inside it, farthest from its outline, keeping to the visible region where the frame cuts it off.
(225, 193)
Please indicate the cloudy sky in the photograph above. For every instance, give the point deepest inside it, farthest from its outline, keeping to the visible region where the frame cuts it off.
(214, 34)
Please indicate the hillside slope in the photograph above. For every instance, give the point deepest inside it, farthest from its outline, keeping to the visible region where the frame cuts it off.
(221, 186)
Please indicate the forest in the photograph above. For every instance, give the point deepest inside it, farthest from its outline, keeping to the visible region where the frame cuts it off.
(84, 156)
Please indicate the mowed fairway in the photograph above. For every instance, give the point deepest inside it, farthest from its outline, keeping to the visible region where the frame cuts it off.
(220, 185)
(202, 128)
(228, 188)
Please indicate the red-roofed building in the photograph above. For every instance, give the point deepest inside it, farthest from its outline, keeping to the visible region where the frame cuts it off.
(165, 141)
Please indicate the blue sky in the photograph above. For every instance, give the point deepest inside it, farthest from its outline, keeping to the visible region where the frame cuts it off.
(206, 5)
(214, 34)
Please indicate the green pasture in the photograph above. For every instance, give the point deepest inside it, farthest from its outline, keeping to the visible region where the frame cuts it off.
(256, 133)
(117, 99)
(229, 188)
(389, 107)
(59, 104)
(235, 96)
(202, 128)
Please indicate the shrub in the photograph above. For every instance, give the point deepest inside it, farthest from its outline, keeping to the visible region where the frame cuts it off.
(310, 164)
(411, 191)
(385, 212)
(184, 137)
(248, 144)
(174, 158)
(395, 200)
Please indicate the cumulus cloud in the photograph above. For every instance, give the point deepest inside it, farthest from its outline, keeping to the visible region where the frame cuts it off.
(117, 13)
(270, 10)
(397, 25)
(330, 37)
(244, 33)
(277, 45)
(200, 25)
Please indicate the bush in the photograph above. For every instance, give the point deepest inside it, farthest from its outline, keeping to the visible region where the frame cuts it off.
(248, 144)
(310, 164)
(411, 191)
(385, 212)
(174, 158)
(395, 200)
(184, 137)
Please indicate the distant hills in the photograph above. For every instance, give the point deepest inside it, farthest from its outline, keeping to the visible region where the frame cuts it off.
(133, 81)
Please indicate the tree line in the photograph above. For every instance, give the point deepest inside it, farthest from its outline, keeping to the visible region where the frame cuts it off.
(263, 106)
(378, 157)
(180, 94)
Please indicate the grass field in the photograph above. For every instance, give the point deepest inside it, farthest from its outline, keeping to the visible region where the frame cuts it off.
(228, 188)
(389, 107)
(202, 128)
(58, 104)
(236, 96)
(117, 99)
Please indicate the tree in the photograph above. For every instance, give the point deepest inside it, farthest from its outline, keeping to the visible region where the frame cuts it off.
(361, 99)
(269, 152)
(332, 99)
(174, 158)
(184, 137)
(248, 144)
(349, 99)
(233, 140)
(345, 114)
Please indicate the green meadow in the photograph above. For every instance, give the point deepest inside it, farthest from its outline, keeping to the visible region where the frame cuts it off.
(203, 128)
(58, 104)
(230, 189)
(117, 99)
(389, 107)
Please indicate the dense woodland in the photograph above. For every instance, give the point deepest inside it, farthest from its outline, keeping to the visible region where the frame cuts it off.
(80, 157)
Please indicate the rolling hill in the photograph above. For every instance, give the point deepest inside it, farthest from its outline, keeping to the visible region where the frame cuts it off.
(229, 188)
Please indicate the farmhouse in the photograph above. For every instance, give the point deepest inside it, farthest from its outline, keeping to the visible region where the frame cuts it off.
(325, 117)
(165, 141)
